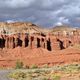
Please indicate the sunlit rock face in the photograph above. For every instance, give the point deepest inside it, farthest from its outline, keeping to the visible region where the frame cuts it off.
(29, 43)
(19, 27)
(26, 34)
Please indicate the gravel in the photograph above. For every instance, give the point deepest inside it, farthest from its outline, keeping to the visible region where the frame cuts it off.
(4, 74)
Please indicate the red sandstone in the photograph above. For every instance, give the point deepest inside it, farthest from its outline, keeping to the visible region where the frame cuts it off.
(39, 49)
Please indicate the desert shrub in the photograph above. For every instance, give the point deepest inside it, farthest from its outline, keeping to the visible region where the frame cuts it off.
(26, 67)
(34, 66)
(45, 66)
(78, 68)
(76, 64)
(45, 79)
(63, 68)
(37, 71)
(56, 77)
(19, 65)
(17, 75)
(72, 68)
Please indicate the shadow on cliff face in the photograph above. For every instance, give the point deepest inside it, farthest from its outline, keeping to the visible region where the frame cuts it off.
(2, 42)
(19, 42)
(49, 45)
(38, 43)
(61, 44)
(43, 41)
(26, 42)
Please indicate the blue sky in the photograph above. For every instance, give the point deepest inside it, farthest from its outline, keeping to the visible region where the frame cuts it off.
(46, 13)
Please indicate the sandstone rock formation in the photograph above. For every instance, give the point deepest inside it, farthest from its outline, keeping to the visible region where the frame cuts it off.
(19, 27)
(20, 39)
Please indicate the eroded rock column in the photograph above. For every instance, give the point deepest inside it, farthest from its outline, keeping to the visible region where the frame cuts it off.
(75, 37)
(16, 42)
(12, 42)
(7, 42)
(42, 42)
(55, 44)
(31, 44)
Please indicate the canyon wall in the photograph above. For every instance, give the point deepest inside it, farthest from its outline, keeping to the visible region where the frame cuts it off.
(49, 42)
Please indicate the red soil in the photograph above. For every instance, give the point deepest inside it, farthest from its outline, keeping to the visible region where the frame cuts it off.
(40, 56)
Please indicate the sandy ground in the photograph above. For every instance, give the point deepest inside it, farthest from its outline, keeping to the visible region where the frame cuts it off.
(38, 56)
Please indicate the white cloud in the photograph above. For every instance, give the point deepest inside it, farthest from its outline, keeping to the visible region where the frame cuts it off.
(10, 21)
(59, 24)
(64, 20)
(43, 12)
(58, 11)
(61, 18)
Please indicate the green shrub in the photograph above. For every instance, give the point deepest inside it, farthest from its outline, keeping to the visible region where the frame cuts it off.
(17, 75)
(56, 77)
(37, 71)
(78, 68)
(34, 66)
(46, 79)
(19, 65)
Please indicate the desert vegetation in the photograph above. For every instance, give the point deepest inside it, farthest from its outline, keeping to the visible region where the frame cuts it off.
(66, 72)
(19, 64)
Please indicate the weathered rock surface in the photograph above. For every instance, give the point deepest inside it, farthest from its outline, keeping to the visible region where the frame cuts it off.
(34, 45)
